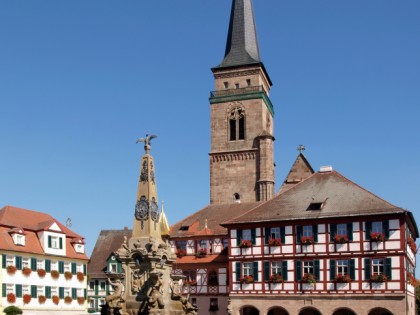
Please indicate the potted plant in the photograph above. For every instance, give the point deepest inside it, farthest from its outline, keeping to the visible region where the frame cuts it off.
(27, 298)
(181, 253)
(68, 275)
(80, 276)
(274, 241)
(80, 299)
(309, 278)
(41, 273)
(377, 237)
(342, 278)
(68, 299)
(41, 299)
(55, 299)
(11, 269)
(307, 240)
(341, 239)
(276, 278)
(411, 280)
(55, 274)
(245, 244)
(26, 271)
(201, 253)
(11, 298)
(412, 244)
(378, 278)
(246, 279)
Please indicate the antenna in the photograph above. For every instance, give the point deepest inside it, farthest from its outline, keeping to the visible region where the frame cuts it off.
(68, 222)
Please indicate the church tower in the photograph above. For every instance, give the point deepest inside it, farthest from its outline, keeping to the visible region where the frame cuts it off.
(241, 157)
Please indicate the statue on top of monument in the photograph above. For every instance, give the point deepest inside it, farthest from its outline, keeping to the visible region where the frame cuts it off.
(146, 141)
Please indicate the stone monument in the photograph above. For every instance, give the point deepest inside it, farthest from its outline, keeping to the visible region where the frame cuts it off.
(147, 284)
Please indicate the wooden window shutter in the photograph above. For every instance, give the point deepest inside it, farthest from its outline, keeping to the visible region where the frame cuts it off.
(298, 233)
(316, 270)
(34, 291)
(61, 292)
(48, 292)
(19, 262)
(18, 290)
(333, 231)
(73, 268)
(350, 231)
(33, 264)
(61, 242)
(253, 236)
(73, 293)
(3, 289)
(283, 235)
(266, 271)
(333, 271)
(238, 271)
(368, 271)
(385, 225)
(388, 268)
(255, 270)
(368, 226)
(284, 270)
(298, 270)
(47, 265)
(61, 266)
(267, 234)
(84, 269)
(352, 269)
(238, 237)
(315, 232)
(84, 293)
(3, 262)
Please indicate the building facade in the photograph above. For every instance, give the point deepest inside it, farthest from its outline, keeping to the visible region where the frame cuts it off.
(43, 263)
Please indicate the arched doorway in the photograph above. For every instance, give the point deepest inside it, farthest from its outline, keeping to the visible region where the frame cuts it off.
(277, 311)
(379, 311)
(344, 311)
(249, 310)
(310, 311)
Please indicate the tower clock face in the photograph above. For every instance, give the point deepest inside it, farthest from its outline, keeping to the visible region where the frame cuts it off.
(142, 209)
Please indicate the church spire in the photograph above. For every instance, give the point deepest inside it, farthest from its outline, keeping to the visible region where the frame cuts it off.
(242, 44)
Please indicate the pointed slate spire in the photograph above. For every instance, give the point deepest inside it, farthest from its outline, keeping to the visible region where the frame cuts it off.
(242, 44)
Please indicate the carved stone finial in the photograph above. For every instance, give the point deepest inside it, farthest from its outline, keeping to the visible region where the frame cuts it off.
(146, 141)
(301, 148)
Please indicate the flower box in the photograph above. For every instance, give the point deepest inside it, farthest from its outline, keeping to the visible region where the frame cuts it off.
(68, 299)
(378, 278)
(80, 276)
(80, 300)
(412, 244)
(181, 253)
(246, 279)
(340, 278)
(245, 244)
(11, 270)
(27, 298)
(276, 278)
(307, 240)
(274, 242)
(41, 273)
(377, 237)
(26, 271)
(11, 298)
(41, 299)
(411, 280)
(308, 278)
(55, 299)
(55, 274)
(68, 275)
(341, 239)
(201, 253)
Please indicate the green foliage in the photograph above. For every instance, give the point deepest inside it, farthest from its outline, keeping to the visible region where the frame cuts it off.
(12, 310)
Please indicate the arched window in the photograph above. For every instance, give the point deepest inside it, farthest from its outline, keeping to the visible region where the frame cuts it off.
(237, 124)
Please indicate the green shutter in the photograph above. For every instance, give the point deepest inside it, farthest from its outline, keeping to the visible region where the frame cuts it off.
(298, 270)
(84, 269)
(333, 271)
(49, 241)
(47, 265)
(73, 293)
(284, 270)
(333, 231)
(61, 292)
(73, 268)
(385, 226)
(19, 262)
(48, 292)
(3, 262)
(34, 291)
(253, 236)
(61, 242)
(316, 270)
(368, 226)
(238, 271)
(283, 235)
(368, 272)
(3, 289)
(352, 269)
(61, 266)
(298, 234)
(33, 264)
(315, 232)
(238, 237)
(266, 271)
(267, 233)
(84, 293)
(350, 231)
(18, 290)
(255, 270)
(388, 268)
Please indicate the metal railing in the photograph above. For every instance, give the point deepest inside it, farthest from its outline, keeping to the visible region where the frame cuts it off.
(244, 90)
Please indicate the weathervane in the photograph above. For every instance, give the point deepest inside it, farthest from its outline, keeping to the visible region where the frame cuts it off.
(301, 148)
(146, 141)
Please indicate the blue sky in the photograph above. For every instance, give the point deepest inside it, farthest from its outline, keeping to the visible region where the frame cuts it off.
(80, 81)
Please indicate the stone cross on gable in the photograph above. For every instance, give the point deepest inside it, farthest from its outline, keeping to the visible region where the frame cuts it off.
(301, 148)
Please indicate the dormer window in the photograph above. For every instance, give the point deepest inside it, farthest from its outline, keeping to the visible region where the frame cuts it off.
(19, 240)
(18, 236)
(55, 242)
(315, 206)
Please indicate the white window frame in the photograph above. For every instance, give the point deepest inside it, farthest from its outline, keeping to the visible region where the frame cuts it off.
(308, 267)
(10, 261)
(307, 231)
(10, 288)
(26, 289)
(26, 262)
(342, 229)
(40, 290)
(276, 267)
(378, 266)
(113, 267)
(343, 267)
(55, 242)
(67, 291)
(67, 266)
(20, 239)
(54, 291)
(377, 227)
(102, 284)
(54, 266)
(248, 269)
(275, 232)
(91, 285)
(40, 264)
(246, 235)
(92, 303)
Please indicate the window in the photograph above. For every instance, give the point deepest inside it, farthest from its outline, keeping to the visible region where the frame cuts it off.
(237, 197)
(307, 234)
(26, 289)
(91, 303)
(10, 261)
(55, 242)
(377, 227)
(194, 302)
(275, 233)
(213, 278)
(307, 231)
(101, 301)
(377, 266)
(342, 267)
(342, 229)
(226, 84)
(40, 290)
(190, 275)
(246, 235)
(237, 124)
(214, 306)
(276, 268)
(342, 270)
(236, 85)
(225, 242)
(248, 82)
(308, 267)
(25, 263)
(378, 230)
(181, 245)
(102, 285)
(10, 288)
(248, 269)
(39, 264)
(54, 291)
(67, 292)
(203, 245)
(91, 285)
(113, 268)
(20, 239)
(315, 206)
(66, 267)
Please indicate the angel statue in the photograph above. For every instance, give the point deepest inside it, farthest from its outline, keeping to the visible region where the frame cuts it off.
(146, 141)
